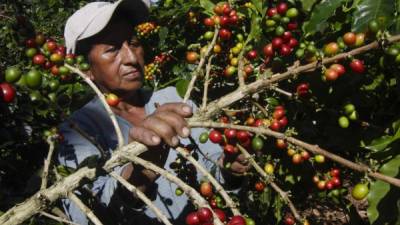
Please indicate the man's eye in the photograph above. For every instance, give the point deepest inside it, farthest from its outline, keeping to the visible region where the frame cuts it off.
(112, 49)
(135, 42)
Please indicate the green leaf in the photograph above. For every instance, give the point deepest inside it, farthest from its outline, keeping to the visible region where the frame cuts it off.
(396, 126)
(178, 69)
(396, 25)
(259, 6)
(307, 4)
(321, 13)
(208, 6)
(181, 87)
(90, 161)
(375, 83)
(278, 204)
(392, 82)
(265, 198)
(380, 201)
(255, 31)
(272, 101)
(177, 12)
(290, 179)
(353, 6)
(378, 190)
(392, 167)
(162, 35)
(367, 10)
(381, 143)
(64, 170)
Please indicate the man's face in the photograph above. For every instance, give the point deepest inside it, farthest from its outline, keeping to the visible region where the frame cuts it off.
(117, 59)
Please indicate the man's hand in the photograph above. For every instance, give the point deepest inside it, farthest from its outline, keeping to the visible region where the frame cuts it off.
(240, 165)
(165, 124)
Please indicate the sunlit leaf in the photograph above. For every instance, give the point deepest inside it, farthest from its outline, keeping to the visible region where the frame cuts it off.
(208, 6)
(396, 25)
(255, 31)
(321, 13)
(367, 10)
(396, 126)
(381, 206)
(163, 35)
(259, 6)
(181, 87)
(381, 143)
(307, 4)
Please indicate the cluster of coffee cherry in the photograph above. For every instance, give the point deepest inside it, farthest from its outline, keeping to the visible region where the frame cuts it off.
(394, 51)
(298, 155)
(203, 216)
(279, 120)
(45, 70)
(45, 52)
(225, 16)
(281, 22)
(329, 180)
(146, 29)
(350, 114)
(154, 68)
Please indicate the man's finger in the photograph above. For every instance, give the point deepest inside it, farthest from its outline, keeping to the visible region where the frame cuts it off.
(162, 129)
(177, 122)
(242, 159)
(181, 109)
(237, 167)
(144, 136)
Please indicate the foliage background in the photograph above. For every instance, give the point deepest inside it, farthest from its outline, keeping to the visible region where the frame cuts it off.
(22, 143)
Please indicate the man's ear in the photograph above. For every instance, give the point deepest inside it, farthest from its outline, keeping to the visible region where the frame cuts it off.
(90, 75)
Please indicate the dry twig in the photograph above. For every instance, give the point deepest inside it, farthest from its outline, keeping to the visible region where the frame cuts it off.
(229, 202)
(270, 181)
(283, 92)
(206, 83)
(47, 162)
(201, 63)
(56, 218)
(312, 148)
(160, 215)
(89, 213)
(196, 198)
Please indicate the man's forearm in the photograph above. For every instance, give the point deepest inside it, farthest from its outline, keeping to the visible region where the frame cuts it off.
(139, 177)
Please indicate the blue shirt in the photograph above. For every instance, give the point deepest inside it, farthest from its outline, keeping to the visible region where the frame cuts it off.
(93, 120)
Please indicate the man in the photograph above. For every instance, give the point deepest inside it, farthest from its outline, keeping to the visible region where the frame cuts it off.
(104, 33)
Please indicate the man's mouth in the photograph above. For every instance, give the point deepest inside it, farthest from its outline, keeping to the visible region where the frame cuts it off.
(132, 74)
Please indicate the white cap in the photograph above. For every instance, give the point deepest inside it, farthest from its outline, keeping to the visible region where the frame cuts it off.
(94, 17)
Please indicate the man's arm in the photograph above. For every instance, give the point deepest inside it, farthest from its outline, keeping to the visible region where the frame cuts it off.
(165, 125)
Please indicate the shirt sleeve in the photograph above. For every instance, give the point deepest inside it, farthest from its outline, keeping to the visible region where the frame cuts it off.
(71, 152)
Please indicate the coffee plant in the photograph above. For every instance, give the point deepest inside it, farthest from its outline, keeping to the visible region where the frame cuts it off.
(307, 90)
(33, 100)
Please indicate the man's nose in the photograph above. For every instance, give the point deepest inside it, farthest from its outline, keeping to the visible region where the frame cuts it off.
(128, 56)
